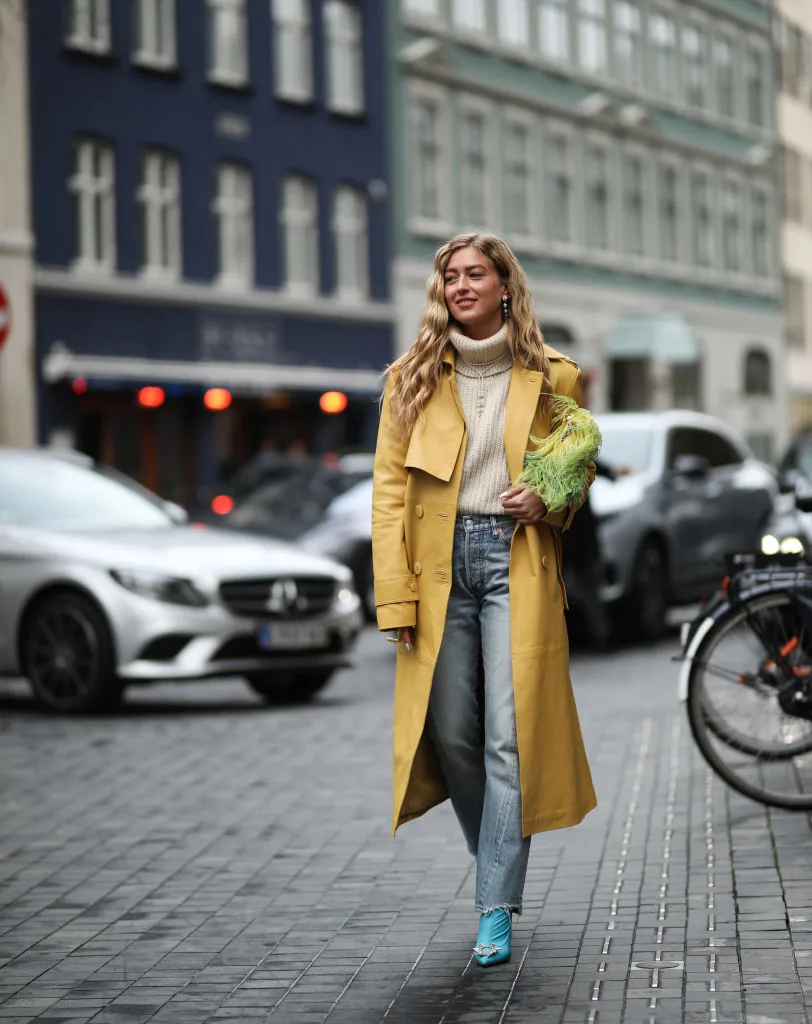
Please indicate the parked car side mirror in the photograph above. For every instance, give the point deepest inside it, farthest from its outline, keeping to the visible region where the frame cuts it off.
(803, 500)
(788, 480)
(177, 514)
(693, 467)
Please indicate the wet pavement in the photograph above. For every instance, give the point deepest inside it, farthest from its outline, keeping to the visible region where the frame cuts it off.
(198, 857)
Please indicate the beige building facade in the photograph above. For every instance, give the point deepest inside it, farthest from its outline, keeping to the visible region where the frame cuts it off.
(17, 371)
(794, 39)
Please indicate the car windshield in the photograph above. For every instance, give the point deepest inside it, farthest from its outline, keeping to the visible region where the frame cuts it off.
(288, 507)
(625, 447)
(54, 493)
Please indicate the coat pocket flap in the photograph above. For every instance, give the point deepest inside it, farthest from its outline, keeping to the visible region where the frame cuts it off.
(434, 447)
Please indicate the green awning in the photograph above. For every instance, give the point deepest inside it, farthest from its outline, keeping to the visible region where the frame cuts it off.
(665, 337)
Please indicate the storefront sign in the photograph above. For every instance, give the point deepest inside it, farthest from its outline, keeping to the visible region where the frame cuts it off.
(240, 341)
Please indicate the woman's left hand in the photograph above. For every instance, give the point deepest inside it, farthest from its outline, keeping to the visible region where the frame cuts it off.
(525, 507)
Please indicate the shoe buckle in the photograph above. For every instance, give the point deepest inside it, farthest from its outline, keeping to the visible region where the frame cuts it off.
(486, 949)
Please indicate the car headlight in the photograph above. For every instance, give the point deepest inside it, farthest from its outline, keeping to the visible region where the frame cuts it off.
(771, 545)
(159, 587)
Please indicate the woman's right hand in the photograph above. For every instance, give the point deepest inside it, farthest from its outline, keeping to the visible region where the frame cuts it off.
(406, 636)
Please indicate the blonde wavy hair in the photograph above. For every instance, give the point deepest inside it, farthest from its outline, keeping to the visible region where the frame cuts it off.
(417, 374)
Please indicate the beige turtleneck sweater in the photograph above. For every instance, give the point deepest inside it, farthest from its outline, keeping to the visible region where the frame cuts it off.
(483, 378)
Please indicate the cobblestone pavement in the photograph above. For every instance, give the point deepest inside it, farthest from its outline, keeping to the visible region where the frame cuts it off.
(199, 858)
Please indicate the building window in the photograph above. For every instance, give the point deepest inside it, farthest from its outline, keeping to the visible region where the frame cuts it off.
(345, 57)
(597, 196)
(228, 42)
(634, 202)
(234, 214)
(351, 241)
(92, 185)
(663, 54)
(155, 26)
(592, 35)
(695, 66)
(159, 196)
(518, 212)
(702, 219)
(628, 45)
(755, 85)
(731, 227)
(553, 29)
(794, 313)
(760, 232)
(427, 150)
(473, 147)
(793, 189)
(757, 372)
(559, 206)
(669, 213)
(511, 22)
(725, 76)
(426, 8)
(293, 51)
(89, 22)
(469, 14)
(300, 232)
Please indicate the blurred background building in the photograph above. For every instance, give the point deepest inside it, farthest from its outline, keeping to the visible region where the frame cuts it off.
(210, 208)
(794, 45)
(626, 149)
(17, 372)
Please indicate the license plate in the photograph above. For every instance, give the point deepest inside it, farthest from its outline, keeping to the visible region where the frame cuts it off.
(292, 635)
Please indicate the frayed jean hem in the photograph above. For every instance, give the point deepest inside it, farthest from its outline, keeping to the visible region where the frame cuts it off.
(510, 908)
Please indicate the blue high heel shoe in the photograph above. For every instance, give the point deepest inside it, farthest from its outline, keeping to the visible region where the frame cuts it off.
(493, 941)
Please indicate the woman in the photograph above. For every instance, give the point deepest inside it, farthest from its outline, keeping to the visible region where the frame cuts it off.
(468, 571)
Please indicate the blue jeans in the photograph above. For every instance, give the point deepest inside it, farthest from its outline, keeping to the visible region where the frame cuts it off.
(473, 727)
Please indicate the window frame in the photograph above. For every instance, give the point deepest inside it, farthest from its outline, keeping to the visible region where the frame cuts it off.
(727, 178)
(752, 44)
(673, 162)
(95, 207)
(292, 228)
(733, 39)
(523, 45)
(765, 385)
(637, 152)
(698, 168)
(290, 33)
(217, 74)
(562, 7)
(671, 15)
(638, 79)
(524, 240)
(360, 291)
(441, 225)
(560, 129)
(607, 144)
(165, 31)
(163, 201)
(95, 35)
(765, 189)
(705, 35)
(230, 208)
(345, 51)
(588, 18)
(466, 106)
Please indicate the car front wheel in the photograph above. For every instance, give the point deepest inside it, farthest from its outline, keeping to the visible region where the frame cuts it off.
(289, 687)
(68, 655)
(644, 612)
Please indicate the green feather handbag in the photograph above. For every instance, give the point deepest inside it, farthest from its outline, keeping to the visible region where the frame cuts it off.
(556, 469)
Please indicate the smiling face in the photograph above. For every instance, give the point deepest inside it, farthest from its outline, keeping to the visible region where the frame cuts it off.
(473, 292)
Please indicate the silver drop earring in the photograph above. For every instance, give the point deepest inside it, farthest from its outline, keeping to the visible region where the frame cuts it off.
(505, 307)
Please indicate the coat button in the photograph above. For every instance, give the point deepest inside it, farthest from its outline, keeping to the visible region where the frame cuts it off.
(418, 511)
(544, 561)
(412, 586)
(418, 568)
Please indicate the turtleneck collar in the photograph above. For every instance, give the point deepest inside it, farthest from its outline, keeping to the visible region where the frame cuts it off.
(485, 350)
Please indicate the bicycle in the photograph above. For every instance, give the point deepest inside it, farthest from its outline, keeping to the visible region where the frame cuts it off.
(747, 681)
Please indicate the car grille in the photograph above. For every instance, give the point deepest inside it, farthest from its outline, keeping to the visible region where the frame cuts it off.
(287, 597)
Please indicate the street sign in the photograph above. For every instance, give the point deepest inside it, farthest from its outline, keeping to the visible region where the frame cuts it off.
(5, 316)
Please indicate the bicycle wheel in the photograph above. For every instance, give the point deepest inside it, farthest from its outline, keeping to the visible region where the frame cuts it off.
(733, 709)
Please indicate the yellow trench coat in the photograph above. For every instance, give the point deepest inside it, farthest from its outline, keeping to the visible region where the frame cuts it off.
(414, 505)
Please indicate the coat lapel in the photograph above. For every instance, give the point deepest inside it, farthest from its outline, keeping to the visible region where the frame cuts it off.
(436, 440)
(522, 403)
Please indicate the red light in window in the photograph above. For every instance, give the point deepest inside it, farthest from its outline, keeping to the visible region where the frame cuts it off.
(217, 399)
(333, 402)
(222, 504)
(151, 397)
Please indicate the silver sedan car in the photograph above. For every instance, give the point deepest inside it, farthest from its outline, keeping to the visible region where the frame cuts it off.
(103, 585)
(687, 492)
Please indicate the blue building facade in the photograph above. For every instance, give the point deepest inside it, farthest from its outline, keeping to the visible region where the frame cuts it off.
(210, 211)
